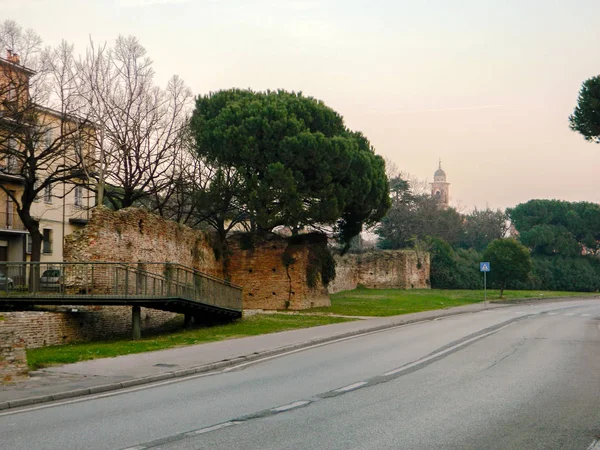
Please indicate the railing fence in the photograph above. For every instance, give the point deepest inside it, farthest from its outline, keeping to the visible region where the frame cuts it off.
(116, 280)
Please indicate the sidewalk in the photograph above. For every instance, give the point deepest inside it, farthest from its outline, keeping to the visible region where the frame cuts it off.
(107, 374)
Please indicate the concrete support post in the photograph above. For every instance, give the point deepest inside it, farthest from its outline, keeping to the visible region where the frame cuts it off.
(136, 323)
(187, 321)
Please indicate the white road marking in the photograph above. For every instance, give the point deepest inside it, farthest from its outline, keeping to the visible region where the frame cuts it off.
(229, 369)
(137, 447)
(594, 445)
(351, 387)
(213, 428)
(570, 314)
(297, 404)
(585, 315)
(552, 314)
(110, 394)
(448, 350)
(200, 375)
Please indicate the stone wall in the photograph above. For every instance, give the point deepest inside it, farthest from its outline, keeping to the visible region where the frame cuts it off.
(133, 235)
(387, 269)
(43, 328)
(13, 359)
(274, 272)
(127, 235)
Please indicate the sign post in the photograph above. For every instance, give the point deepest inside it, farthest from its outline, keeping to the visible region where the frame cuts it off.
(485, 268)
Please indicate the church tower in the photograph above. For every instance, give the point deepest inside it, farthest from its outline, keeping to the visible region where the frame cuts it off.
(440, 188)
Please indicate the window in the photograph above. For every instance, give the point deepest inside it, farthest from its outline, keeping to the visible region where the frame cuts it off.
(10, 209)
(79, 150)
(47, 241)
(12, 92)
(11, 164)
(10, 161)
(48, 139)
(29, 244)
(48, 194)
(36, 185)
(79, 196)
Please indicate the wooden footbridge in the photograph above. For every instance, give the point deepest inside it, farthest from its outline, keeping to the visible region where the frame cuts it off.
(165, 286)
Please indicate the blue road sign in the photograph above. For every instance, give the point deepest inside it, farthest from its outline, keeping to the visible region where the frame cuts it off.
(484, 267)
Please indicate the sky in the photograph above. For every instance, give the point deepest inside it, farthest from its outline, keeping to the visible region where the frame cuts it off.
(487, 86)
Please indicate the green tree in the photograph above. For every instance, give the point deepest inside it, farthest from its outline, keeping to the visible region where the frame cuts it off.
(417, 217)
(586, 116)
(298, 165)
(443, 264)
(510, 261)
(482, 226)
(555, 227)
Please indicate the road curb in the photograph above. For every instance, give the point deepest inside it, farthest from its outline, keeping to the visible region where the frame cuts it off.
(210, 367)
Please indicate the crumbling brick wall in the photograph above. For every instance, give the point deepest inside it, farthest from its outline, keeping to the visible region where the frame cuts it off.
(133, 235)
(13, 359)
(43, 328)
(274, 273)
(386, 269)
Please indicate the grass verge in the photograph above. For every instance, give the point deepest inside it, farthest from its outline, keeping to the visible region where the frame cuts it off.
(391, 302)
(251, 326)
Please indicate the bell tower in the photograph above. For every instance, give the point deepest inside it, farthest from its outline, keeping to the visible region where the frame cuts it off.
(440, 188)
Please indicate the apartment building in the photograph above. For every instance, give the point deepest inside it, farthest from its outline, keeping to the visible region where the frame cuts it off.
(61, 207)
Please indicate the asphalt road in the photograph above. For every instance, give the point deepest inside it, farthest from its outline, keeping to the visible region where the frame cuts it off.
(524, 377)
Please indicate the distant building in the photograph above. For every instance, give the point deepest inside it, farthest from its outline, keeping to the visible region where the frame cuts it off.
(440, 188)
(62, 207)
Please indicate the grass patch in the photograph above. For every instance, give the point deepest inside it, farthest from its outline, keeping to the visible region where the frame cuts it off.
(391, 302)
(250, 326)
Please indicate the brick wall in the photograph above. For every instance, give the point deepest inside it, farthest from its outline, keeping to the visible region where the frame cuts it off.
(388, 269)
(13, 359)
(127, 235)
(259, 267)
(43, 328)
(133, 234)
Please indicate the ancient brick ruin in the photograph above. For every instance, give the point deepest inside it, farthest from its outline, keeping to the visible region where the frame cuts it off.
(275, 272)
(13, 360)
(389, 269)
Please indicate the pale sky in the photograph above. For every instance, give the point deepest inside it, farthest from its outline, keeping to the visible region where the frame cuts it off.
(485, 85)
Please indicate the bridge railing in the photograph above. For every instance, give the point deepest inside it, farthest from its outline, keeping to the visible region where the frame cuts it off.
(143, 280)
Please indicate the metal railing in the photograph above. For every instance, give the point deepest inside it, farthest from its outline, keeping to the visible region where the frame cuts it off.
(111, 280)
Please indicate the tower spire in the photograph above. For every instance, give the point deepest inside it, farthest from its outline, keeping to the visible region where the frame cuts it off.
(440, 163)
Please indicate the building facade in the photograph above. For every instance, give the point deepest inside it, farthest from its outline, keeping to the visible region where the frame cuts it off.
(59, 142)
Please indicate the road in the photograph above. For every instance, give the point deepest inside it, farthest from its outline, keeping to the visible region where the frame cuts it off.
(522, 377)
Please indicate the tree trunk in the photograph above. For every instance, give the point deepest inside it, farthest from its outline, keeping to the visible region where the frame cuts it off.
(36, 245)
(33, 226)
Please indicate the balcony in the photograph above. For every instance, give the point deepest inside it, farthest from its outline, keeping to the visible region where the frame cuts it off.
(11, 222)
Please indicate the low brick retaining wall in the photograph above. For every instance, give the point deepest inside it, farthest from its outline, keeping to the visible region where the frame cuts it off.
(43, 328)
(13, 359)
(384, 269)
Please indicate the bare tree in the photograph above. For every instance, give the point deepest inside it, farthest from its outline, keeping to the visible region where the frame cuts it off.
(417, 185)
(142, 125)
(26, 43)
(43, 134)
(395, 175)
